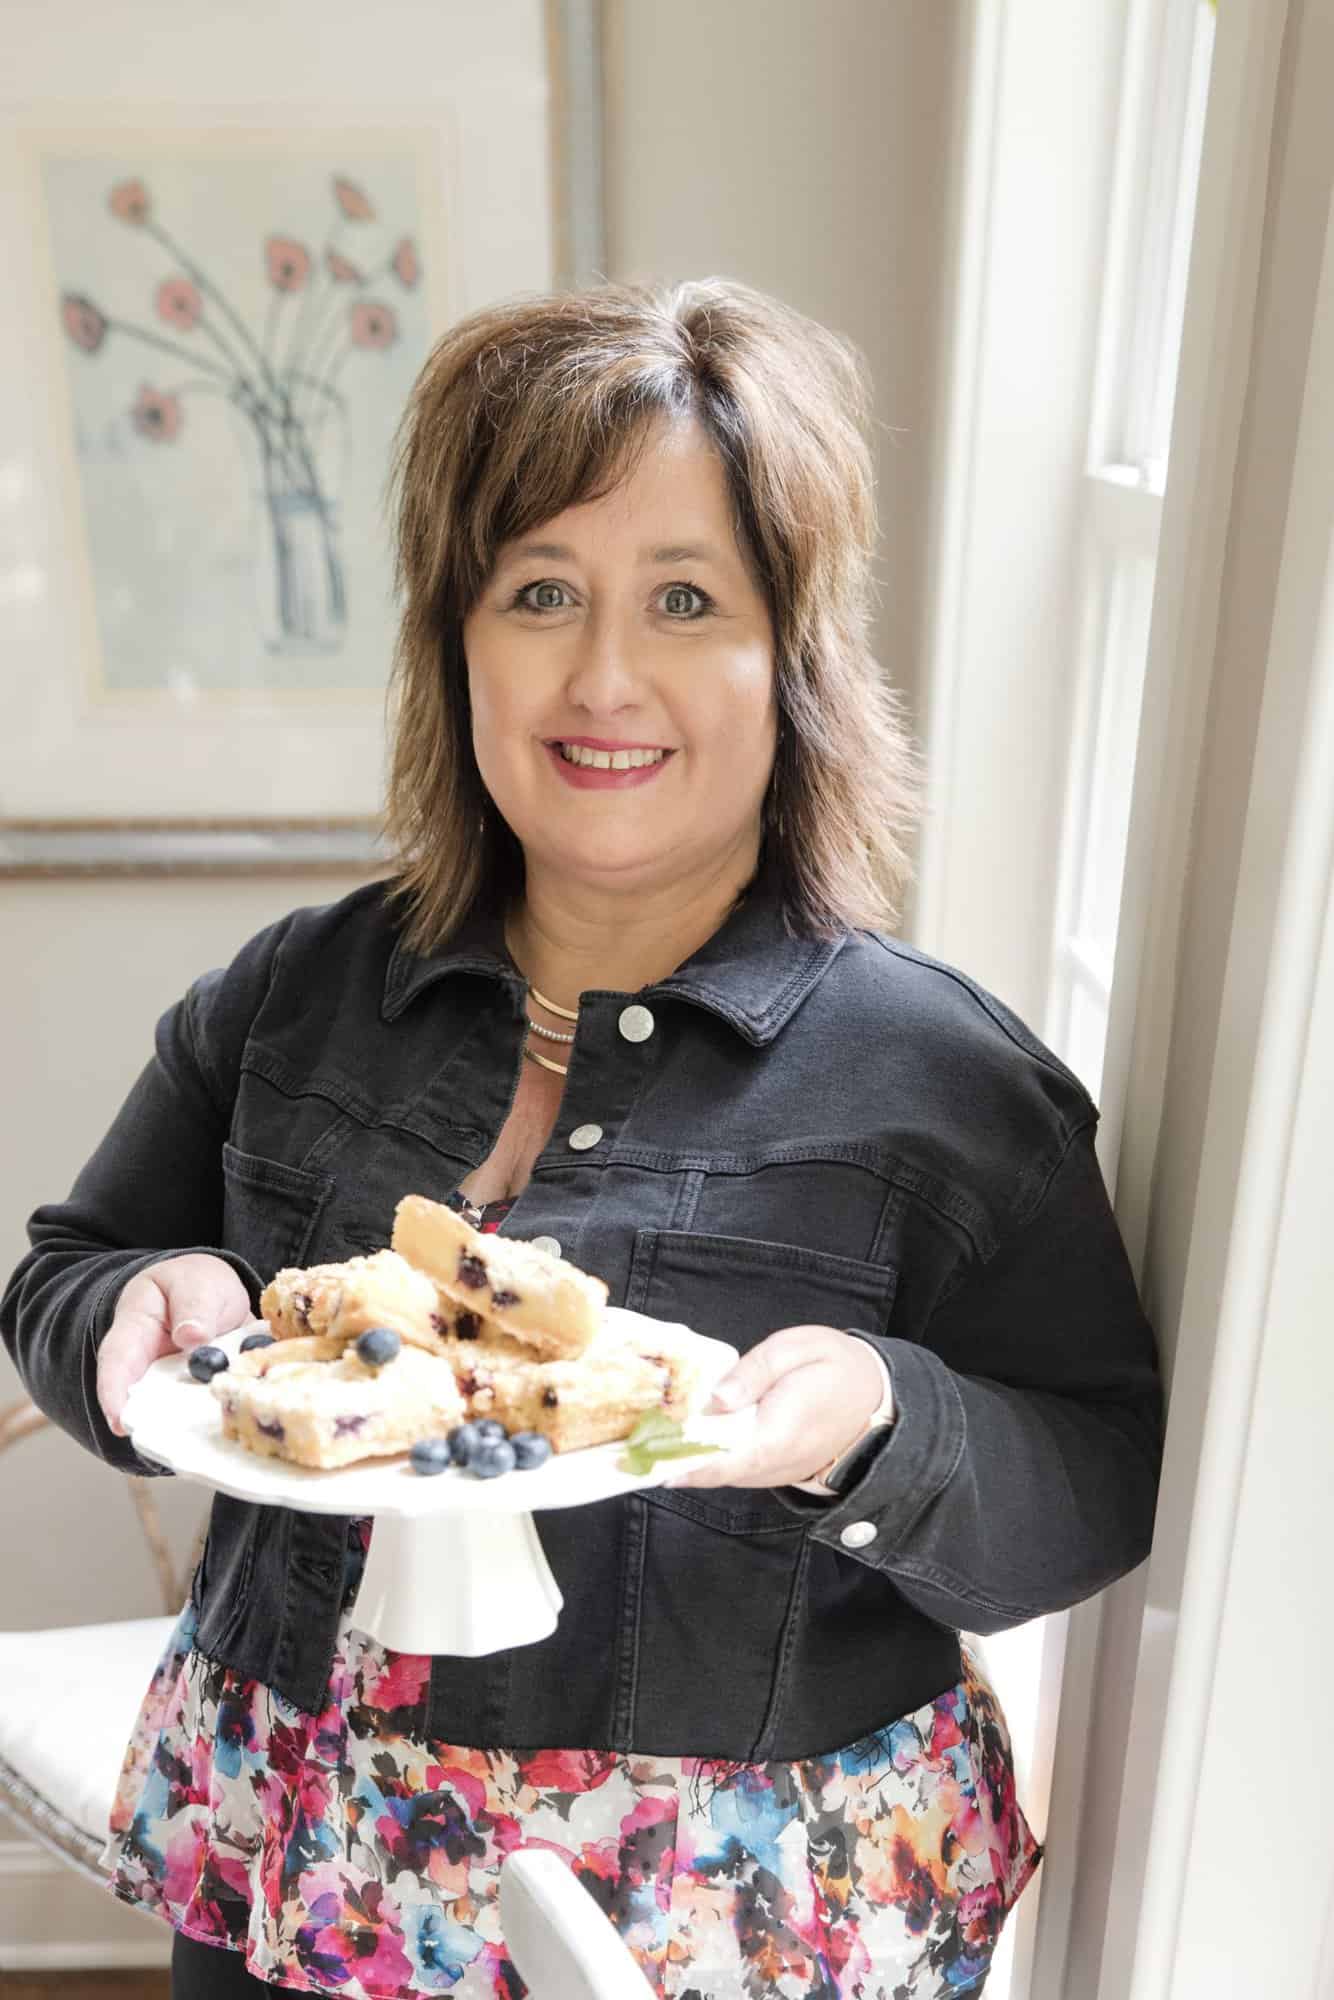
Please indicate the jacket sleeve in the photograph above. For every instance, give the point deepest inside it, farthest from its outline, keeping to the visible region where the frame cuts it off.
(1021, 1472)
(152, 1189)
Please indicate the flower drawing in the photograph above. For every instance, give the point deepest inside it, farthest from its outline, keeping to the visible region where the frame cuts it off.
(179, 303)
(282, 378)
(372, 326)
(352, 201)
(288, 263)
(156, 415)
(404, 260)
(128, 201)
(83, 322)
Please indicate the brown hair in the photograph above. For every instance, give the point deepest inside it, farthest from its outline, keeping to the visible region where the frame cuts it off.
(530, 407)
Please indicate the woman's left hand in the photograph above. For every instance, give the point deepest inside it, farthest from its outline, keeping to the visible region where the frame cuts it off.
(814, 1388)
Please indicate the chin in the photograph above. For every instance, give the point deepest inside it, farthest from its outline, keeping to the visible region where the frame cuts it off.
(601, 860)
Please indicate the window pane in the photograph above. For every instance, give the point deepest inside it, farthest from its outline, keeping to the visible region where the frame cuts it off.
(1183, 224)
(1086, 1038)
(1111, 767)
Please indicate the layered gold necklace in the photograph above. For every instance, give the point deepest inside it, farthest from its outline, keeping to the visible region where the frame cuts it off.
(551, 1034)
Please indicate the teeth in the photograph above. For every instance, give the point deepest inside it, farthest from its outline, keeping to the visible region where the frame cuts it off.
(610, 760)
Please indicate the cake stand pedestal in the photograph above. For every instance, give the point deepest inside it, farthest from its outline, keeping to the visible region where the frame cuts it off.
(464, 1583)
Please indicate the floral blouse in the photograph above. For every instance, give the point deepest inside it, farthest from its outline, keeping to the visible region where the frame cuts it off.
(345, 1853)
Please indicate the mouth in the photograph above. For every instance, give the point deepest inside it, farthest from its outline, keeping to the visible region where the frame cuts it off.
(602, 768)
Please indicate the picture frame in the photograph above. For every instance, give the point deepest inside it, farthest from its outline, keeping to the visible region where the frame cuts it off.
(139, 751)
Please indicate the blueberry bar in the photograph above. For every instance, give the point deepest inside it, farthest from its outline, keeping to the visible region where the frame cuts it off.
(589, 1399)
(544, 1301)
(314, 1402)
(344, 1300)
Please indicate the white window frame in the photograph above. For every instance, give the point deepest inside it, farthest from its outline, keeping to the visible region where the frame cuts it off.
(1001, 924)
(1162, 101)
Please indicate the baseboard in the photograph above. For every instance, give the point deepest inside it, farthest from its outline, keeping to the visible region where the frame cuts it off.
(88, 1957)
(28, 1861)
(25, 1857)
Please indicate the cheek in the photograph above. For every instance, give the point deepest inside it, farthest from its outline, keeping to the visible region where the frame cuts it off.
(746, 714)
(490, 696)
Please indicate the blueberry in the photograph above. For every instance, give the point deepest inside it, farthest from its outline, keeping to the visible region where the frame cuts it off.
(531, 1449)
(463, 1441)
(490, 1429)
(430, 1455)
(206, 1362)
(378, 1345)
(492, 1457)
(256, 1340)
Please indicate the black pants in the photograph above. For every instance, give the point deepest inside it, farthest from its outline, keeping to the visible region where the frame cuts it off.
(204, 1972)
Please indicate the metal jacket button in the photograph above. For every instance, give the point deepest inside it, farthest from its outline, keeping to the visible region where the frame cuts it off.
(547, 1243)
(636, 1023)
(584, 1136)
(858, 1534)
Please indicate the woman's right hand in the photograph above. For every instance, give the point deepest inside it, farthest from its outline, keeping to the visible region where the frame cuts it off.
(181, 1303)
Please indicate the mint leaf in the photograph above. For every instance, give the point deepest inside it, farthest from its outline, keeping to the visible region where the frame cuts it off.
(657, 1436)
(654, 1424)
(675, 1448)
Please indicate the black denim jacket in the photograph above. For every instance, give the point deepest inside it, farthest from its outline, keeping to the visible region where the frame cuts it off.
(846, 1132)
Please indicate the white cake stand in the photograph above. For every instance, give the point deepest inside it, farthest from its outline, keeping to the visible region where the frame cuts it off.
(455, 1563)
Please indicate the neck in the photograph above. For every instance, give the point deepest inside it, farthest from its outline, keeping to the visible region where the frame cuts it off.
(568, 939)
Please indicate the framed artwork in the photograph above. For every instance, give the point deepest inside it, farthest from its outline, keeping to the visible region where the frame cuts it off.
(234, 321)
(217, 315)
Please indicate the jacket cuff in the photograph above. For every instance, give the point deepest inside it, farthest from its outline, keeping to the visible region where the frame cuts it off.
(920, 1455)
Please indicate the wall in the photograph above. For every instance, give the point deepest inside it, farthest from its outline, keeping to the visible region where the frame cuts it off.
(89, 965)
(807, 150)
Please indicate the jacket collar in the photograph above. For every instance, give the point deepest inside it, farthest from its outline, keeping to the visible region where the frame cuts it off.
(752, 973)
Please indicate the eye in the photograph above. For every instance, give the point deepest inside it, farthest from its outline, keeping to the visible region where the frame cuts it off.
(543, 596)
(676, 599)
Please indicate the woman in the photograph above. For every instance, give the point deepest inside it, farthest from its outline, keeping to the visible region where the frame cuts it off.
(633, 993)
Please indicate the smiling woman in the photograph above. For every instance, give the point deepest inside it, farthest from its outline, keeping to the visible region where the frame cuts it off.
(634, 993)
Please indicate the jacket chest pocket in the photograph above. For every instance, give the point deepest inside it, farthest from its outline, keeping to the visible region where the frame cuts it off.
(740, 1288)
(270, 1210)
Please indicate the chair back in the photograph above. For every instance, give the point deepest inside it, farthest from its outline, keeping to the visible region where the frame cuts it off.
(561, 1943)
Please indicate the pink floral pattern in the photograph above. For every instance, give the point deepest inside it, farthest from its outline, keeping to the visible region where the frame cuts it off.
(372, 325)
(345, 1853)
(287, 263)
(157, 415)
(84, 324)
(180, 303)
(354, 201)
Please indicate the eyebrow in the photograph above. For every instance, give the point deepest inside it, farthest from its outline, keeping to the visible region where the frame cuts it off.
(673, 552)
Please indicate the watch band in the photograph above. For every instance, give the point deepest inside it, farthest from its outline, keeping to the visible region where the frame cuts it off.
(836, 1477)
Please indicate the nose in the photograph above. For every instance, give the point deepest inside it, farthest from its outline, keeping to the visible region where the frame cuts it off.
(604, 675)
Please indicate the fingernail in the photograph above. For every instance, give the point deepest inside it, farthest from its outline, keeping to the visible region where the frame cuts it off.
(181, 1324)
(727, 1395)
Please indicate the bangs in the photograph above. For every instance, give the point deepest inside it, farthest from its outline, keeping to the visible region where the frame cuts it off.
(551, 448)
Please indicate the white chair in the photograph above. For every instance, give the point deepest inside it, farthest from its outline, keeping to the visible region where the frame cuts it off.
(70, 1696)
(59, 1782)
(561, 1943)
